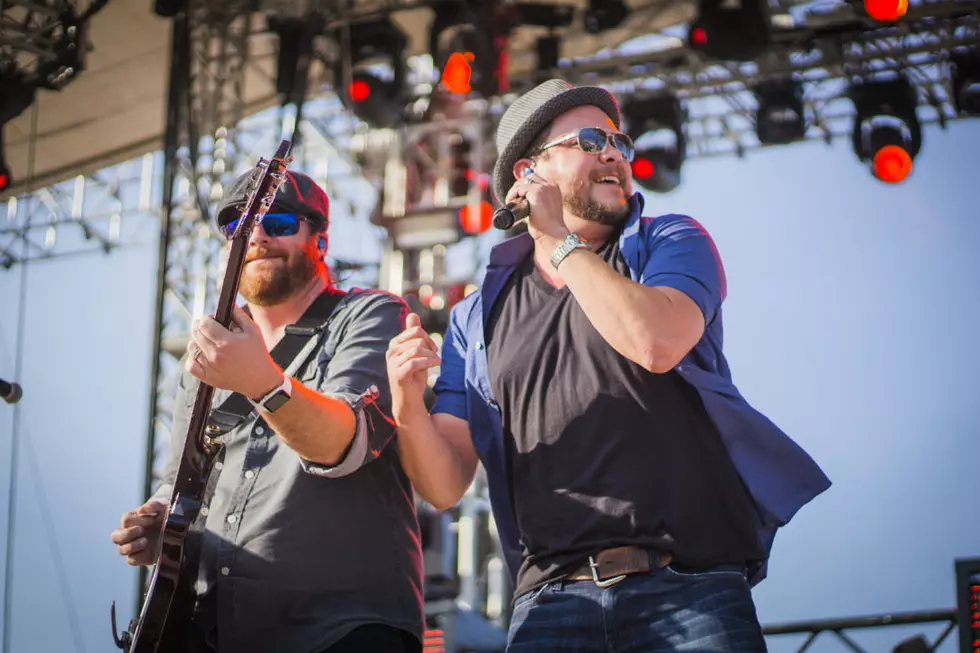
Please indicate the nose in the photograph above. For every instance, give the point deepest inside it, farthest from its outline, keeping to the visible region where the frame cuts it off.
(258, 237)
(611, 152)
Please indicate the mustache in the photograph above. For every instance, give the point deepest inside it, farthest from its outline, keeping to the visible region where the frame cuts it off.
(260, 252)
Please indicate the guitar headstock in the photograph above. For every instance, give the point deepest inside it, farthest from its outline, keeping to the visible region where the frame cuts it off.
(266, 180)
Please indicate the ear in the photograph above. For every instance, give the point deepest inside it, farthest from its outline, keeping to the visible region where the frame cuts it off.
(521, 167)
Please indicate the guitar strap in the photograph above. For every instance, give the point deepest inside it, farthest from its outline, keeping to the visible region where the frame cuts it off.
(290, 353)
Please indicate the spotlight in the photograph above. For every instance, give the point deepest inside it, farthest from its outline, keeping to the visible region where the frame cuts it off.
(886, 130)
(886, 11)
(657, 121)
(730, 31)
(779, 118)
(604, 14)
(373, 88)
(966, 82)
(462, 41)
(5, 178)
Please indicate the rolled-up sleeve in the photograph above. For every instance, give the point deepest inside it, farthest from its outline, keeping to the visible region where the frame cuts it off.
(683, 256)
(450, 387)
(356, 373)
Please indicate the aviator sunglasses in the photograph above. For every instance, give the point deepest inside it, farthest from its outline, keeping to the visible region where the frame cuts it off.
(274, 224)
(593, 140)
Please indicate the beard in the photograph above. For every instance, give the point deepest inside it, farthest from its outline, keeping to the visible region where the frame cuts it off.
(583, 206)
(592, 211)
(268, 286)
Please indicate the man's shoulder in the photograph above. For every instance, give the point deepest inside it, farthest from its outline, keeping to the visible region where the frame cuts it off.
(669, 224)
(366, 299)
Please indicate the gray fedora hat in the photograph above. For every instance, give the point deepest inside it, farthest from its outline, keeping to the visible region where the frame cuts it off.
(531, 113)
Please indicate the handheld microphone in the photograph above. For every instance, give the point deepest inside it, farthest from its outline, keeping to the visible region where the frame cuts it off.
(505, 217)
(10, 392)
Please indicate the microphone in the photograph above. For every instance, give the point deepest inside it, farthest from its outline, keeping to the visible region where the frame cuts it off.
(10, 392)
(505, 217)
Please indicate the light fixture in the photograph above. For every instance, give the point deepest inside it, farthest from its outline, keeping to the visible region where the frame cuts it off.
(779, 118)
(730, 31)
(886, 132)
(371, 87)
(886, 11)
(464, 49)
(966, 82)
(656, 125)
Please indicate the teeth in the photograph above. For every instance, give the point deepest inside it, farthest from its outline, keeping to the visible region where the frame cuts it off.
(609, 179)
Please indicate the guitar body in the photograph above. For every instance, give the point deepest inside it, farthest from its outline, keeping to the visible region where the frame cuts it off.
(170, 598)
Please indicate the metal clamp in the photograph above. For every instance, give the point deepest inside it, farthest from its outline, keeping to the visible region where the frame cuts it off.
(595, 575)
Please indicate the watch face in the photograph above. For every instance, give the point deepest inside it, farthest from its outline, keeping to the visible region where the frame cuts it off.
(276, 401)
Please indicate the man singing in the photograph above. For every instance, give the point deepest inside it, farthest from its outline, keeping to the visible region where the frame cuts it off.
(636, 493)
(312, 543)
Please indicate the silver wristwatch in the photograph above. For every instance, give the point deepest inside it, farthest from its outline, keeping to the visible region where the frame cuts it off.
(571, 243)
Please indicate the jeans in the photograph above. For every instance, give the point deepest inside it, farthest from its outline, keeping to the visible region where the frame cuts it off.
(666, 610)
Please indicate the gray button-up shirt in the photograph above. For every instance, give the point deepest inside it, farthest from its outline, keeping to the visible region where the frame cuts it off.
(297, 554)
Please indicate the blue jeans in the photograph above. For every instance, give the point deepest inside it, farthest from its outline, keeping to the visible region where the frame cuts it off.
(666, 610)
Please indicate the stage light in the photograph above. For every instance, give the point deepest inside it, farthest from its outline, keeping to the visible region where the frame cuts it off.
(463, 45)
(603, 15)
(886, 133)
(656, 126)
(966, 82)
(779, 118)
(372, 88)
(886, 11)
(5, 177)
(730, 30)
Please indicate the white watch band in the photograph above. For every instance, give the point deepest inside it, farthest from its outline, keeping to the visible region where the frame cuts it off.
(283, 389)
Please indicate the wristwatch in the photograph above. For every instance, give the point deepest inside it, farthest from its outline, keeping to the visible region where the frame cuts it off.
(277, 397)
(571, 243)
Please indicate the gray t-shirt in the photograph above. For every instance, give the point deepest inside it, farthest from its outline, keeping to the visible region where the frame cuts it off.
(296, 554)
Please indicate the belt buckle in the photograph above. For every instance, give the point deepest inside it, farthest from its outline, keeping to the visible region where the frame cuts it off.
(595, 575)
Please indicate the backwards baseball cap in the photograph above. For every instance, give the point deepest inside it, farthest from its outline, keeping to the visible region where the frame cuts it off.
(298, 194)
(531, 113)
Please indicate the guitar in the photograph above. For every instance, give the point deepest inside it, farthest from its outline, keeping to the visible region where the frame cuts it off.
(169, 599)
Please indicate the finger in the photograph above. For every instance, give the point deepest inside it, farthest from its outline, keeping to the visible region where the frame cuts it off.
(202, 343)
(399, 360)
(136, 519)
(408, 335)
(413, 320)
(409, 367)
(152, 507)
(135, 546)
(241, 319)
(124, 535)
(211, 330)
(416, 347)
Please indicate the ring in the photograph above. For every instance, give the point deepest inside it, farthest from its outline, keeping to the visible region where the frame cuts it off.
(197, 354)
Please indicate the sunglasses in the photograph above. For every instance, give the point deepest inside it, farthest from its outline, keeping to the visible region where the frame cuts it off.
(274, 224)
(593, 140)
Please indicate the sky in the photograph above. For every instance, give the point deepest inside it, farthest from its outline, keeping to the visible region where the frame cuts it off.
(849, 322)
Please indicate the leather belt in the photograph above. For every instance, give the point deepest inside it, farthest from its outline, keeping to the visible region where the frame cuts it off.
(610, 566)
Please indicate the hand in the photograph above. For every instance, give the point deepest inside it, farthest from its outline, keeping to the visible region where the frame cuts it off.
(410, 355)
(139, 536)
(545, 223)
(233, 359)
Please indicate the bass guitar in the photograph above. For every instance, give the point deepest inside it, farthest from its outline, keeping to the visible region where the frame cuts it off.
(169, 599)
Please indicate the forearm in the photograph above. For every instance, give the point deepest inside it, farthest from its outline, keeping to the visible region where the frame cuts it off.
(316, 426)
(632, 318)
(431, 461)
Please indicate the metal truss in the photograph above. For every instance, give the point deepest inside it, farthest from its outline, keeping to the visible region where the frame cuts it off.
(839, 627)
(823, 52)
(42, 41)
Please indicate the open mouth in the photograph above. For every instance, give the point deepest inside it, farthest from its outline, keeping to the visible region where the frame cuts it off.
(609, 180)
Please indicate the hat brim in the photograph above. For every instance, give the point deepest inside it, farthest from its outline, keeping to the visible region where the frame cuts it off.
(540, 118)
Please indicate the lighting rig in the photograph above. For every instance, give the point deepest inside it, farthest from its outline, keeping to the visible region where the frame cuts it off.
(42, 46)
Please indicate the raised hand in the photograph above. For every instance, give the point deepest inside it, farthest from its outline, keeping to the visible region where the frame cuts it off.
(410, 355)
